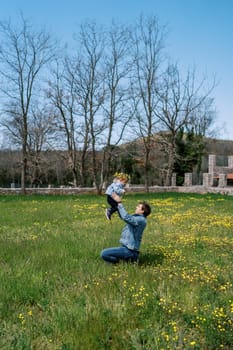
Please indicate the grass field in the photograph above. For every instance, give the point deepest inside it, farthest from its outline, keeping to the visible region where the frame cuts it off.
(56, 293)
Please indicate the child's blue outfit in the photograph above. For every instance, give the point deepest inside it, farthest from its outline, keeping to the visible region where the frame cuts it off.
(118, 188)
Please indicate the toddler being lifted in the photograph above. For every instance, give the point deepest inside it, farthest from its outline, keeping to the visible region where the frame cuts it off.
(117, 186)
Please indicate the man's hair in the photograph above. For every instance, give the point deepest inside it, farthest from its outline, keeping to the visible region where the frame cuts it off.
(146, 207)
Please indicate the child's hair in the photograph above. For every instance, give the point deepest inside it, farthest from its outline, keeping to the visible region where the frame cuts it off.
(122, 176)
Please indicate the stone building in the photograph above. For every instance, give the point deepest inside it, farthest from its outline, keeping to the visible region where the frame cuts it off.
(217, 176)
(220, 176)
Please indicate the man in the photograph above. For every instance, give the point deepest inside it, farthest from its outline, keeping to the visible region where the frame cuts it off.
(131, 235)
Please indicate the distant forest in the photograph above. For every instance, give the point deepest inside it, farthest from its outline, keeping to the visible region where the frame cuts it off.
(52, 168)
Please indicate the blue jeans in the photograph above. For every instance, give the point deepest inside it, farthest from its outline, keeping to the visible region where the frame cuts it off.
(114, 255)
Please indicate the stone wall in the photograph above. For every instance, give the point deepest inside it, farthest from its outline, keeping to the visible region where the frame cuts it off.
(130, 189)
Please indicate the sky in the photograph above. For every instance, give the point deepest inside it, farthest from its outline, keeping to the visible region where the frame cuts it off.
(200, 34)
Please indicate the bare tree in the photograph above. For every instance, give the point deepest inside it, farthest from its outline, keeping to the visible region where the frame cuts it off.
(23, 54)
(62, 97)
(202, 119)
(179, 100)
(116, 106)
(201, 125)
(90, 88)
(40, 129)
(148, 38)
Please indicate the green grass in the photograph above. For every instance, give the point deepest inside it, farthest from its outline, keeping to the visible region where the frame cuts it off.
(56, 293)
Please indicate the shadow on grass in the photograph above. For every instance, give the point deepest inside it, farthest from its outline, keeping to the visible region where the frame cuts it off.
(151, 258)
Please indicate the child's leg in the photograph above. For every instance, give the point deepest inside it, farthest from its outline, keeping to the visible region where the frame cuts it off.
(113, 204)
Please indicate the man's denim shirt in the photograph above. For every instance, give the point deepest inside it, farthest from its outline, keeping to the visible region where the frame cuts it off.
(132, 233)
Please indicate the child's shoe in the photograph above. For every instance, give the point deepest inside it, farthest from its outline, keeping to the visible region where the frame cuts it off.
(108, 214)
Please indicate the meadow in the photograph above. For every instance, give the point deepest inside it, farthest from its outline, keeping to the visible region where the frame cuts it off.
(57, 294)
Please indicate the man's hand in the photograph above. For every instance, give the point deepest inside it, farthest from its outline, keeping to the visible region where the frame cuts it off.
(116, 197)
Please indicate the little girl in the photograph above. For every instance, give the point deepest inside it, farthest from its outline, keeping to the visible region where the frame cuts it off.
(117, 186)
